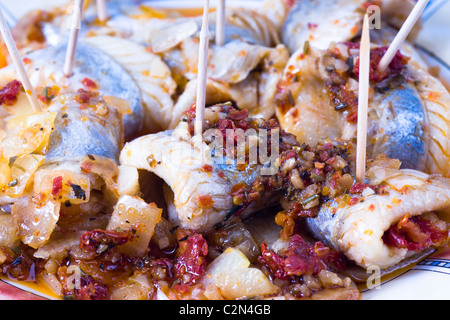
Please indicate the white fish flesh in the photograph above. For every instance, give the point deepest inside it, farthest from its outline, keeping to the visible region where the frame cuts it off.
(79, 131)
(198, 198)
(407, 120)
(357, 229)
(150, 73)
(45, 69)
(321, 22)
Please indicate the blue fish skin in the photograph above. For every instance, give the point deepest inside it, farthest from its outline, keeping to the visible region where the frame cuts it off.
(321, 22)
(80, 132)
(320, 226)
(401, 121)
(112, 79)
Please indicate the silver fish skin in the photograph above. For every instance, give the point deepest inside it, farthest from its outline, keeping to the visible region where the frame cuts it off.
(397, 117)
(321, 22)
(396, 122)
(46, 66)
(179, 160)
(357, 230)
(84, 131)
(151, 74)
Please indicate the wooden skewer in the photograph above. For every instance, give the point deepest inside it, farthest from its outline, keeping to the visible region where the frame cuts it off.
(202, 72)
(9, 17)
(402, 34)
(220, 23)
(363, 102)
(101, 10)
(17, 60)
(73, 37)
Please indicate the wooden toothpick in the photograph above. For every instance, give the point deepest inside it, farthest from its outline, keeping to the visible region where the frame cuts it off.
(402, 34)
(73, 37)
(363, 102)
(202, 72)
(9, 17)
(220, 23)
(102, 12)
(17, 61)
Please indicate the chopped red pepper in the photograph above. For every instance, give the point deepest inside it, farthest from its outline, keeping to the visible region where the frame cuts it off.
(91, 240)
(415, 234)
(191, 257)
(10, 92)
(88, 83)
(301, 258)
(57, 185)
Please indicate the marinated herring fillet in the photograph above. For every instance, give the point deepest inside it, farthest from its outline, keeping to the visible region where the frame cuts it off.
(202, 186)
(359, 229)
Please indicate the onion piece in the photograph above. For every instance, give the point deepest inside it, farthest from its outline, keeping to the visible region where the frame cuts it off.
(28, 133)
(21, 107)
(103, 167)
(63, 185)
(51, 282)
(35, 219)
(134, 213)
(5, 172)
(128, 180)
(136, 287)
(231, 273)
(58, 245)
(22, 171)
(8, 231)
(170, 37)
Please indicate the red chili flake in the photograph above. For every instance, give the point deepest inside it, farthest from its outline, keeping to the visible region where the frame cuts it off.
(238, 114)
(358, 187)
(57, 185)
(415, 234)
(85, 96)
(9, 93)
(86, 166)
(301, 258)
(352, 117)
(205, 202)
(88, 83)
(273, 261)
(312, 26)
(190, 113)
(290, 3)
(395, 67)
(207, 168)
(26, 60)
(90, 241)
(191, 257)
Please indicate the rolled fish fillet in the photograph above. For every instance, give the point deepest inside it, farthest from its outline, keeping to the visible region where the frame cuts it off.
(131, 33)
(202, 189)
(407, 112)
(321, 22)
(235, 80)
(179, 163)
(81, 156)
(93, 70)
(84, 125)
(150, 73)
(361, 230)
